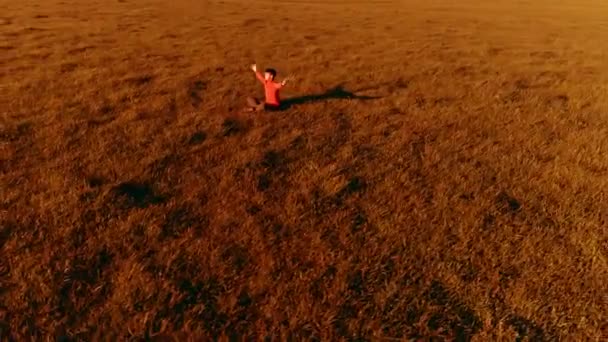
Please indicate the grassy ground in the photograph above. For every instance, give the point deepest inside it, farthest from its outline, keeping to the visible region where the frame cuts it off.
(443, 170)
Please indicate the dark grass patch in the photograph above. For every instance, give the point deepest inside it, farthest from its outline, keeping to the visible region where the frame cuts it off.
(346, 312)
(253, 23)
(355, 185)
(356, 283)
(272, 160)
(526, 329)
(197, 138)
(320, 285)
(6, 230)
(101, 121)
(264, 182)
(508, 276)
(488, 221)
(358, 221)
(95, 182)
(253, 210)
(454, 318)
(236, 256)
(80, 288)
(298, 142)
(14, 133)
(68, 67)
(200, 300)
(87, 197)
(231, 127)
(467, 196)
(507, 204)
(194, 92)
(81, 49)
(178, 221)
(139, 80)
(139, 195)
(544, 54)
(400, 84)
(272, 229)
(468, 272)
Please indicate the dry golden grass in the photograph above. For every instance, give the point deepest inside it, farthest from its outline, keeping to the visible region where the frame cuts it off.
(450, 179)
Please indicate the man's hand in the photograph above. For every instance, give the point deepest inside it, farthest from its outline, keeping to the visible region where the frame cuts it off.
(254, 68)
(287, 79)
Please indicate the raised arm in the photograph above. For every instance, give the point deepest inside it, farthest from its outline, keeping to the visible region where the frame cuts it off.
(259, 76)
(286, 80)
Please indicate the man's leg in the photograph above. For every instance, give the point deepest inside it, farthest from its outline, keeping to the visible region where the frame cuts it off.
(254, 104)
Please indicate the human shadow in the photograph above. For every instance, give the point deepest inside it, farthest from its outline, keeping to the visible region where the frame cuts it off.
(335, 93)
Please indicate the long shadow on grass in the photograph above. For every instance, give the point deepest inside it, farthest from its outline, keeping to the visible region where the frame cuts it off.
(336, 93)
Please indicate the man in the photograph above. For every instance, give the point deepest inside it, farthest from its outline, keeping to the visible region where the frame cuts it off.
(271, 91)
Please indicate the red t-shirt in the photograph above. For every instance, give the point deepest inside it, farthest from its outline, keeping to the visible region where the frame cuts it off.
(271, 90)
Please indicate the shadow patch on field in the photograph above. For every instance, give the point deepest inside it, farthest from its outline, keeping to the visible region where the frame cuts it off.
(274, 164)
(494, 51)
(264, 182)
(136, 195)
(164, 166)
(444, 101)
(68, 67)
(104, 120)
(455, 316)
(233, 126)
(467, 270)
(33, 29)
(272, 160)
(236, 257)
(139, 80)
(336, 138)
(179, 220)
(95, 182)
(80, 49)
(16, 132)
(354, 185)
(6, 229)
(253, 23)
(442, 316)
(194, 92)
(544, 54)
(320, 285)
(359, 221)
(464, 70)
(336, 93)
(5, 21)
(526, 329)
(78, 292)
(272, 229)
(168, 36)
(197, 138)
(200, 299)
(507, 203)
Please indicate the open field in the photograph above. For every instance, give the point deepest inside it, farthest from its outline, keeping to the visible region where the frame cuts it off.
(442, 170)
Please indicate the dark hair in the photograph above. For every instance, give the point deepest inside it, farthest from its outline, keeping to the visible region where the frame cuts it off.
(272, 72)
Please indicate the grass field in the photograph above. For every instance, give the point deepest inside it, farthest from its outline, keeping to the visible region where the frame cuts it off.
(442, 171)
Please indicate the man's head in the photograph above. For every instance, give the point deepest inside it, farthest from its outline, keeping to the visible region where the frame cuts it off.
(270, 74)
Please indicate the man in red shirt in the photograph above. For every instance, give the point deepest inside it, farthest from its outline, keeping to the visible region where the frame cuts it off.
(271, 91)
